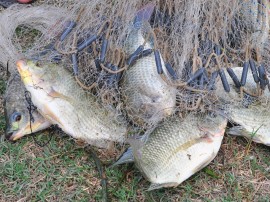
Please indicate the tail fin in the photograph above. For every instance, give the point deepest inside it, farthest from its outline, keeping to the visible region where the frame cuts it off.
(136, 143)
(127, 157)
(144, 14)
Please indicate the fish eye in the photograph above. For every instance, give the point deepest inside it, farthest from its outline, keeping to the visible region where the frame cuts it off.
(38, 64)
(16, 117)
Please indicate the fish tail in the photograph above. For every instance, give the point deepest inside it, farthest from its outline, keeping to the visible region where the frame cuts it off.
(126, 157)
(136, 143)
(144, 14)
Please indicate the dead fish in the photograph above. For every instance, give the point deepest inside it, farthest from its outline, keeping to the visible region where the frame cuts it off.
(252, 122)
(16, 112)
(147, 96)
(251, 116)
(177, 149)
(60, 99)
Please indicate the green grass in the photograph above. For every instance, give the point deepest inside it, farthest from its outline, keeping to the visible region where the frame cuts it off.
(64, 171)
(26, 42)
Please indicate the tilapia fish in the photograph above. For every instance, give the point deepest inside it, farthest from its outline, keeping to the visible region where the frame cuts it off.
(147, 96)
(61, 100)
(251, 115)
(177, 149)
(16, 112)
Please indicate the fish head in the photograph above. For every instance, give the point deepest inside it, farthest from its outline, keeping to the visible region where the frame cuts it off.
(17, 114)
(18, 122)
(31, 72)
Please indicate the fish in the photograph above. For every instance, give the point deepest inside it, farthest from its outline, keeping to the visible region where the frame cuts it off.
(250, 116)
(18, 122)
(147, 97)
(252, 122)
(177, 149)
(60, 99)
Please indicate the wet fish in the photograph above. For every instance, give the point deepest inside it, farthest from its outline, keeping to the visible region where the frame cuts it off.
(177, 149)
(60, 99)
(16, 112)
(252, 122)
(147, 96)
(251, 115)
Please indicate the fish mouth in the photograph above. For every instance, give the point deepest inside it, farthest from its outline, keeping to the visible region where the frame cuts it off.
(21, 65)
(29, 129)
(24, 72)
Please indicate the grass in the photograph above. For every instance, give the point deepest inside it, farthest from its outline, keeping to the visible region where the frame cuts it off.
(26, 42)
(64, 171)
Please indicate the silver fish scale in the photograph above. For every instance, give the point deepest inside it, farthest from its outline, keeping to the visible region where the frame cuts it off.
(254, 119)
(253, 123)
(168, 137)
(167, 146)
(80, 115)
(147, 96)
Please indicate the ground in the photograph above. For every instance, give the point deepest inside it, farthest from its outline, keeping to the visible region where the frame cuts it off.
(64, 171)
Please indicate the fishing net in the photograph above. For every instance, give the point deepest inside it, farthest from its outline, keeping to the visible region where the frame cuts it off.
(169, 32)
(198, 41)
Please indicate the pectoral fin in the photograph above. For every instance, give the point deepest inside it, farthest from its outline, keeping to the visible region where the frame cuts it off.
(204, 163)
(50, 115)
(237, 131)
(54, 94)
(154, 186)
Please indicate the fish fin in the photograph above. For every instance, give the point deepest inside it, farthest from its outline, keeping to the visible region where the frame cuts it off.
(135, 143)
(126, 157)
(254, 135)
(53, 93)
(236, 130)
(154, 186)
(49, 115)
(144, 14)
(204, 164)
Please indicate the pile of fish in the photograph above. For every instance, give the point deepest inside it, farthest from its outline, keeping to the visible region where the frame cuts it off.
(172, 147)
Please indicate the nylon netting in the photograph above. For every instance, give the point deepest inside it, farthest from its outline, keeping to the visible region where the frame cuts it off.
(198, 39)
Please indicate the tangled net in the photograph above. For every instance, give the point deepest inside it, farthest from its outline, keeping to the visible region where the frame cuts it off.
(199, 39)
